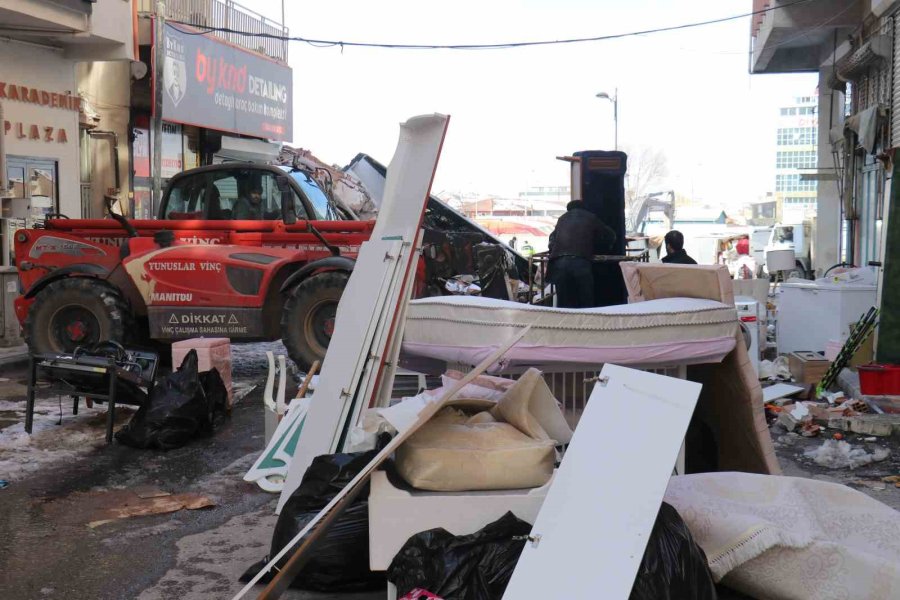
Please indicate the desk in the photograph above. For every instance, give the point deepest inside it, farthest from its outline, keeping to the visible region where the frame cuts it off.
(93, 378)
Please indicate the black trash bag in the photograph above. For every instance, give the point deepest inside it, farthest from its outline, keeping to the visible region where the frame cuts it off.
(340, 560)
(182, 406)
(467, 567)
(674, 567)
(479, 566)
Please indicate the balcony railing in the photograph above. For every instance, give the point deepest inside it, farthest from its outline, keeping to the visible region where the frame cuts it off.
(230, 15)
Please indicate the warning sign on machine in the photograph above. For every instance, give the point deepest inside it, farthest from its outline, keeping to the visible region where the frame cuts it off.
(172, 323)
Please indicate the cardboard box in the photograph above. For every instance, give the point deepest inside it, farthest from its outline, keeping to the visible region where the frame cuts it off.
(212, 353)
(807, 367)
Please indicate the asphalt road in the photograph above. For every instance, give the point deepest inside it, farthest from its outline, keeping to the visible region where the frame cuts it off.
(48, 550)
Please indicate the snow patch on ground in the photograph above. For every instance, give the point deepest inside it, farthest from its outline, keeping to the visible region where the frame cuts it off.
(51, 442)
(841, 455)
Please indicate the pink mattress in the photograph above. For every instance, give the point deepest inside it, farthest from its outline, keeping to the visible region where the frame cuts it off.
(655, 333)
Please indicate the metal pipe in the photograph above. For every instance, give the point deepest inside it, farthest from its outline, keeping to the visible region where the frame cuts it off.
(4, 185)
(115, 153)
(159, 52)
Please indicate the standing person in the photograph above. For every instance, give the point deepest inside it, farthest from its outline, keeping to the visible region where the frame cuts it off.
(513, 242)
(675, 253)
(578, 237)
(527, 249)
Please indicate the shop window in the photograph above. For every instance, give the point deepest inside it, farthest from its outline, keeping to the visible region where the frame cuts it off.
(15, 178)
(191, 137)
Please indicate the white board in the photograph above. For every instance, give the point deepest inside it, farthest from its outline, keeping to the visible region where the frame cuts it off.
(428, 411)
(353, 356)
(594, 525)
(347, 355)
(780, 390)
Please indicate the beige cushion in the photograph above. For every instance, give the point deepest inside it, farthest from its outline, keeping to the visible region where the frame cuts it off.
(455, 452)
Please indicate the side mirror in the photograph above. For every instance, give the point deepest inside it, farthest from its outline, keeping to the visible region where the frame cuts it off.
(281, 181)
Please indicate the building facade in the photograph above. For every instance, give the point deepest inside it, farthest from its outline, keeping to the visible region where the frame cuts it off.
(796, 152)
(46, 47)
(854, 47)
(225, 96)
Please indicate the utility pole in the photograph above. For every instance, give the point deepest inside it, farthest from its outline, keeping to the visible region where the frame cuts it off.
(284, 43)
(159, 57)
(616, 116)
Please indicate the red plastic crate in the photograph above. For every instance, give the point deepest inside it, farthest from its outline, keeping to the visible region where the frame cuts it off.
(879, 380)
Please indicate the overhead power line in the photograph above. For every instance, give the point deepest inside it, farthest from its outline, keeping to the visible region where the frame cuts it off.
(203, 29)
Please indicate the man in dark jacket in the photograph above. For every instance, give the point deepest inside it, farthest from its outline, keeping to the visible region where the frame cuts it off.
(578, 237)
(675, 253)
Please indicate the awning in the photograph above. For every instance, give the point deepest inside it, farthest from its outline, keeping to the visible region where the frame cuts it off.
(865, 124)
(877, 50)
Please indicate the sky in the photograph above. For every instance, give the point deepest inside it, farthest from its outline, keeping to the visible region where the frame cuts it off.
(512, 112)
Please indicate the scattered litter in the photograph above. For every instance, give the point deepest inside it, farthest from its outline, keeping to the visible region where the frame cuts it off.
(800, 411)
(241, 390)
(839, 455)
(777, 370)
(868, 425)
(786, 420)
(833, 397)
(810, 430)
(3, 484)
(838, 436)
(145, 492)
(870, 439)
(156, 505)
(463, 286)
(98, 508)
(878, 486)
(779, 391)
(789, 439)
(891, 479)
(883, 404)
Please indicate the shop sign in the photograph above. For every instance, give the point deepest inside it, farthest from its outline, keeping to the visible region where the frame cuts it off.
(30, 95)
(35, 132)
(212, 84)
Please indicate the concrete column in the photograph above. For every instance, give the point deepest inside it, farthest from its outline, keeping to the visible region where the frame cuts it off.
(827, 235)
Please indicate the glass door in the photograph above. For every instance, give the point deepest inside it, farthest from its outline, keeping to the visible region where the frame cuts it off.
(36, 181)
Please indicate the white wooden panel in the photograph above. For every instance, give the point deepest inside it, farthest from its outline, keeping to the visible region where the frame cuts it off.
(353, 350)
(347, 354)
(597, 518)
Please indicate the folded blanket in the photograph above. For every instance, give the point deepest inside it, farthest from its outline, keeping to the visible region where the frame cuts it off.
(789, 538)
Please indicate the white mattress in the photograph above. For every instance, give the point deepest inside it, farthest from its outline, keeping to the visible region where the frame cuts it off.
(653, 333)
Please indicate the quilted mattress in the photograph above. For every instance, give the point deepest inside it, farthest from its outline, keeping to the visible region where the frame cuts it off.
(653, 333)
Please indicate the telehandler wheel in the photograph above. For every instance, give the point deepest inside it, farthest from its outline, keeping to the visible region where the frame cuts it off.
(307, 321)
(77, 311)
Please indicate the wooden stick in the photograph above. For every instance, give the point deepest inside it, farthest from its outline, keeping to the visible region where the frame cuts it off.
(284, 578)
(306, 381)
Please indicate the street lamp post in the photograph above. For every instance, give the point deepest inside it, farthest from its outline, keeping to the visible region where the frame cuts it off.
(615, 100)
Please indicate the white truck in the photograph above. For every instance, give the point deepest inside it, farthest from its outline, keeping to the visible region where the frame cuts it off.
(794, 237)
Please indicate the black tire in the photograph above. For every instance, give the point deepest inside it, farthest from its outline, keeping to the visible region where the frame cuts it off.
(77, 311)
(798, 271)
(307, 320)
